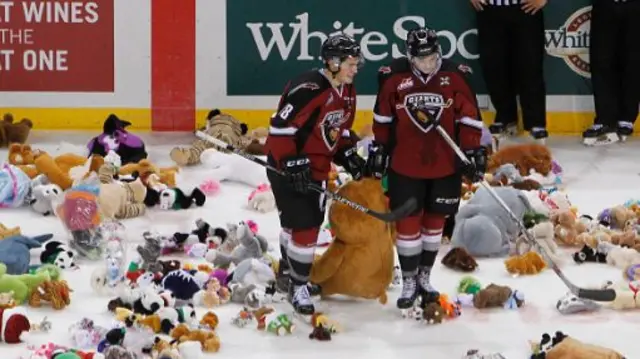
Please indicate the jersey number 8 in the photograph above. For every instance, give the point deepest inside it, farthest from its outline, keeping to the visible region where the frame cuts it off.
(286, 111)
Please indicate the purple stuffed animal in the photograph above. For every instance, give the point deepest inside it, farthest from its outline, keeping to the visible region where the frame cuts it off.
(115, 138)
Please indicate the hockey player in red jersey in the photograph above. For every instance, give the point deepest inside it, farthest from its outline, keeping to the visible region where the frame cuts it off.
(311, 128)
(417, 93)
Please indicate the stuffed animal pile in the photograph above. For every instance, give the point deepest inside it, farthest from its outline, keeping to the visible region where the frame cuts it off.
(165, 300)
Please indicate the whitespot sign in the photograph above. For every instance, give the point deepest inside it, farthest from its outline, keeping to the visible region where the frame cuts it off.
(571, 41)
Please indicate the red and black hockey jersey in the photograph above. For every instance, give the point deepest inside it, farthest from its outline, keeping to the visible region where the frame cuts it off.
(407, 106)
(314, 118)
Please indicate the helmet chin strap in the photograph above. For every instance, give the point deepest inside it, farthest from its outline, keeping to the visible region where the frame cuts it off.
(333, 66)
(331, 71)
(417, 70)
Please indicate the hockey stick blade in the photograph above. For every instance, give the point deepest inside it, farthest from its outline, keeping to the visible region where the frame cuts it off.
(392, 216)
(600, 295)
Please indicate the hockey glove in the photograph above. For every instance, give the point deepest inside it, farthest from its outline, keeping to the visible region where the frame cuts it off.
(351, 161)
(298, 171)
(378, 161)
(474, 171)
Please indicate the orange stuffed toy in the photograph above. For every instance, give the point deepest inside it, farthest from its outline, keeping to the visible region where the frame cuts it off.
(359, 262)
(56, 169)
(150, 174)
(525, 157)
(22, 156)
(528, 263)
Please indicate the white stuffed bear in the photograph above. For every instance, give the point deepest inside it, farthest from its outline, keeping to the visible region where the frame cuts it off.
(617, 256)
(536, 202)
(262, 199)
(231, 167)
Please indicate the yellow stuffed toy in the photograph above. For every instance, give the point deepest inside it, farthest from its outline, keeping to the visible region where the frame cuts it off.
(6, 232)
(359, 262)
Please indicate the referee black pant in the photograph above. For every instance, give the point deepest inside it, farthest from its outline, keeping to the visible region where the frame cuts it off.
(615, 60)
(511, 47)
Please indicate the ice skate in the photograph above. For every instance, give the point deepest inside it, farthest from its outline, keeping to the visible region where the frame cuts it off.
(624, 130)
(408, 296)
(282, 281)
(282, 277)
(500, 131)
(539, 135)
(300, 299)
(424, 282)
(599, 135)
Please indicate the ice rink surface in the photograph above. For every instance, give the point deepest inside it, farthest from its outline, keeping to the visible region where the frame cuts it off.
(596, 178)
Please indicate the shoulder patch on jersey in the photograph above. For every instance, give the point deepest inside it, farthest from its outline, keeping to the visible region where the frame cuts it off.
(384, 70)
(311, 86)
(465, 69)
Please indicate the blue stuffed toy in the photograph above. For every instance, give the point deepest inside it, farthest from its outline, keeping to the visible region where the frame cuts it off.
(14, 251)
(15, 187)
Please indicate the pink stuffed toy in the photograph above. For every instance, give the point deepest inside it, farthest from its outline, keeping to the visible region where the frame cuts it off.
(253, 226)
(210, 187)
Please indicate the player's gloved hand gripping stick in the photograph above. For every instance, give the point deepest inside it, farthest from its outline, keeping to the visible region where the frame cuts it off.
(299, 172)
(601, 295)
(406, 209)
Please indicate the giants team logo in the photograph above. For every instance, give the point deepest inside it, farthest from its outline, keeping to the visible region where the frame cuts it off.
(571, 41)
(424, 109)
(330, 127)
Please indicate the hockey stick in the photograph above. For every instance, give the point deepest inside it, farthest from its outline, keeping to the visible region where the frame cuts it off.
(403, 211)
(600, 295)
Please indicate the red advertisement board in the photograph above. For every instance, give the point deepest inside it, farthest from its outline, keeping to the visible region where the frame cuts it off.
(57, 45)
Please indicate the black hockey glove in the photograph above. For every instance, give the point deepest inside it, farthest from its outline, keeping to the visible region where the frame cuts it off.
(351, 161)
(298, 172)
(378, 161)
(474, 171)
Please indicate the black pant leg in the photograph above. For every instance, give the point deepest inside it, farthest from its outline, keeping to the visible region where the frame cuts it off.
(528, 70)
(493, 46)
(605, 64)
(631, 58)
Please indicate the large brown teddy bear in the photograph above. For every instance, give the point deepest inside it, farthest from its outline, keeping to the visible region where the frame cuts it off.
(14, 132)
(359, 262)
(525, 157)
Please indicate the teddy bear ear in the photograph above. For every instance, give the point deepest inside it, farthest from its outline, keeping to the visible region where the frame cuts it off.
(213, 113)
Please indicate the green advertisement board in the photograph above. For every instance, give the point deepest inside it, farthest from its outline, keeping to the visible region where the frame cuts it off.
(268, 42)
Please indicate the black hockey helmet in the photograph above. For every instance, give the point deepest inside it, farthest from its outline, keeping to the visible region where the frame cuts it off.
(422, 42)
(340, 46)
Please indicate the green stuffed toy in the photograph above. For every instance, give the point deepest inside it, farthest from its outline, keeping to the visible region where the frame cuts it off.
(469, 285)
(23, 284)
(385, 186)
(531, 218)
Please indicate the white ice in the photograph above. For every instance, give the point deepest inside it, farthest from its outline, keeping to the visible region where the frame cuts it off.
(596, 178)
